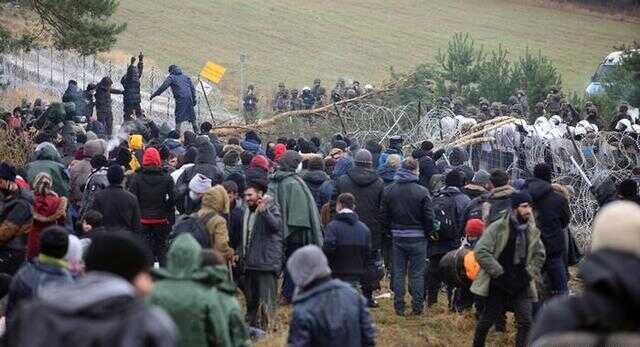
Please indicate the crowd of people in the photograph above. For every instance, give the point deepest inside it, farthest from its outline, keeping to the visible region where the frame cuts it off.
(150, 239)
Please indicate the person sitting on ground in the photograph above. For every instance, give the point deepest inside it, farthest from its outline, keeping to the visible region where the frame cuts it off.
(48, 268)
(605, 312)
(106, 305)
(325, 310)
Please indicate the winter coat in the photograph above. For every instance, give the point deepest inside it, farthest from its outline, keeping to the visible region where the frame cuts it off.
(218, 277)
(347, 244)
(478, 196)
(387, 175)
(253, 174)
(406, 205)
(183, 291)
(498, 201)
(300, 216)
(76, 96)
(608, 306)
(175, 147)
(215, 205)
(16, 218)
(387, 152)
(48, 210)
(252, 146)
(205, 164)
(31, 278)
(131, 85)
(330, 313)
(265, 246)
(154, 191)
(184, 94)
(461, 203)
(552, 215)
(320, 186)
(103, 100)
(47, 159)
(118, 207)
(491, 244)
(102, 306)
(367, 187)
(81, 169)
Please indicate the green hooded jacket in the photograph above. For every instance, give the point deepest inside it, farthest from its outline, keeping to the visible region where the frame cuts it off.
(47, 159)
(184, 292)
(300, 215)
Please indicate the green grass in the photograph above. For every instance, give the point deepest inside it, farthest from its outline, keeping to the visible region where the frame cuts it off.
(295, 41)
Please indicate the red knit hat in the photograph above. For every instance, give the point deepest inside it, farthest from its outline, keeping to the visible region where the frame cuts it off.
(151, 157)
(279, 151)
(474, 228)
(260, 161)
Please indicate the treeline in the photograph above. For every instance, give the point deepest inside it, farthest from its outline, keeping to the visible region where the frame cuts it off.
(620, 4)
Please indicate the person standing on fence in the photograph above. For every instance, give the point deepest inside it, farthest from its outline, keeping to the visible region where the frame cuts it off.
(104, 112)
(131, 84)
(185, 95)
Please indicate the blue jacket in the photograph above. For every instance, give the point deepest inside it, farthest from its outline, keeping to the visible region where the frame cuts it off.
(331, 313)
(183, 92)
(30, 279)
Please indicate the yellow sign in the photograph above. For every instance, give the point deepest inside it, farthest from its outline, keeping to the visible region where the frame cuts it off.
(213, 72)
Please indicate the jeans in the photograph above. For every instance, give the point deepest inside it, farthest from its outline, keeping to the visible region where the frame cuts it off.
(494, 308)
(556, 270)
(409, 254)
(155, 235)
(261, 288)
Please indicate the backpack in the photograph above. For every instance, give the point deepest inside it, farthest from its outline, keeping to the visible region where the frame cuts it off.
(194, 225)
(96, 182)
(445, 218)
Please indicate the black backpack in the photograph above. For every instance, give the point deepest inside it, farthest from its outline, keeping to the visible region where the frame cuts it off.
(96, 182)
(445, 217)
(194, 225)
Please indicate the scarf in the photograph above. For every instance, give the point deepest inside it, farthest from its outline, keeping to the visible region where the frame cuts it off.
(520, 228)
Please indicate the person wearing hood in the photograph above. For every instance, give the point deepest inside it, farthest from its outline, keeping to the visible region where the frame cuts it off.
(458, 159)
(231, 161)
(426, 163)
(183, 289)
(388, 170)
(606, 310)
(262, 254)
(48, 268)
(367, 187)
(16, 218)
(258, 169)
(153, 188)
(278, 151)
(174, 145)
(300, 217)
(131, 98)
(325, 310)
(48, 209)
(437, 248)
(193, 201)
(214, 209)
(46, 158)
(318, 181)
(136, 146)
(406, 213)
(118, 207)
(104, 112)
(252, 143)
(184, 94)
(75, 95)
(80, 171)
(205, 163)
(478, 191)
(498, 200)
(395, 147)
(510, 254)
(106, 305)
(552, 218)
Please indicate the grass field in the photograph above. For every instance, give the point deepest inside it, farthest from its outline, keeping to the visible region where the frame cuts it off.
(295, 41)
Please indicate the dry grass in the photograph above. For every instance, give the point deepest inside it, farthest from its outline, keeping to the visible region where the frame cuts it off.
(12, 97)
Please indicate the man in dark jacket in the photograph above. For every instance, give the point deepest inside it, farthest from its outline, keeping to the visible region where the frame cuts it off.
(437, 248)
(16, 218)
(47, 269)
(118, 207)
(498, 199)
(318, 181)
(347, 243)
(395, 147)
(326, 311)
(262, 253)
(367, 187)
(205, 164)
(104, 112)
(427, 165)
(107, 305)
(131, 88)
(184, 94)
(607, 308)
(76, 96)
(153, 188)
(406, 213)
(552, 218)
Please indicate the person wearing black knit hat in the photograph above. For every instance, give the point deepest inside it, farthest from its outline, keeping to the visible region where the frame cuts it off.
(510, 253)
(47, 269)
(118, 207)
(110, 297)
(16, 217)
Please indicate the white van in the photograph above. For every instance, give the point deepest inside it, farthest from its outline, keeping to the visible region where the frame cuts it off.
(596, 86)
